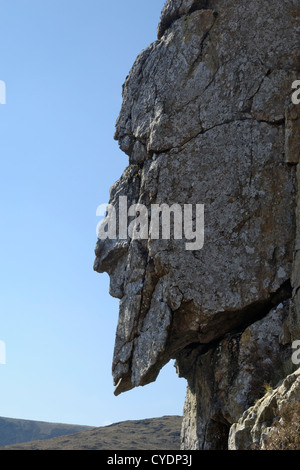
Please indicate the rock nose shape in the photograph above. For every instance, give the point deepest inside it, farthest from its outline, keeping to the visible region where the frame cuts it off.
(206, 119)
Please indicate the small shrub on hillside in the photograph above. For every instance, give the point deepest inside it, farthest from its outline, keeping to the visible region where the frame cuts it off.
(285, 434)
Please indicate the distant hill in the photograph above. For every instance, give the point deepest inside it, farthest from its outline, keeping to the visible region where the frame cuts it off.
(147, 434)
(15, 431)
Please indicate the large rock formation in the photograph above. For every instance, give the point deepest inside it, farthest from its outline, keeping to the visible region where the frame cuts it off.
(207, 119)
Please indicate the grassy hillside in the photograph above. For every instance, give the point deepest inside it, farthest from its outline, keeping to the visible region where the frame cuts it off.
(147, 434)
(15, 431)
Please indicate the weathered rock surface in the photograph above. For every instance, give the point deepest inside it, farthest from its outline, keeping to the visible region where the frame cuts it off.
(231, 375)
(207, 119)
(257, 423)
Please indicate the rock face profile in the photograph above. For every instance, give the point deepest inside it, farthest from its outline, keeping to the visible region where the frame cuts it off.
(212, 134)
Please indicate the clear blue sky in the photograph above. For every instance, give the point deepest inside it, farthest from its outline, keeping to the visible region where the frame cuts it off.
(64, 63)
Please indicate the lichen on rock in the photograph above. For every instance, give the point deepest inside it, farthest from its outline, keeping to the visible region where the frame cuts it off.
(258, 423)
(206, 119)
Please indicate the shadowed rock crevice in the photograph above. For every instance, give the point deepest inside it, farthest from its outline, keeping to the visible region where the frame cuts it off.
(231, 323)
(229, 375)
(174, 10)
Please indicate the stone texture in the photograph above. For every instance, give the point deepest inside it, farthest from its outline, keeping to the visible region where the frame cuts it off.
(292, 134)
(206, 119)
(257, 423)
(230, 375)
